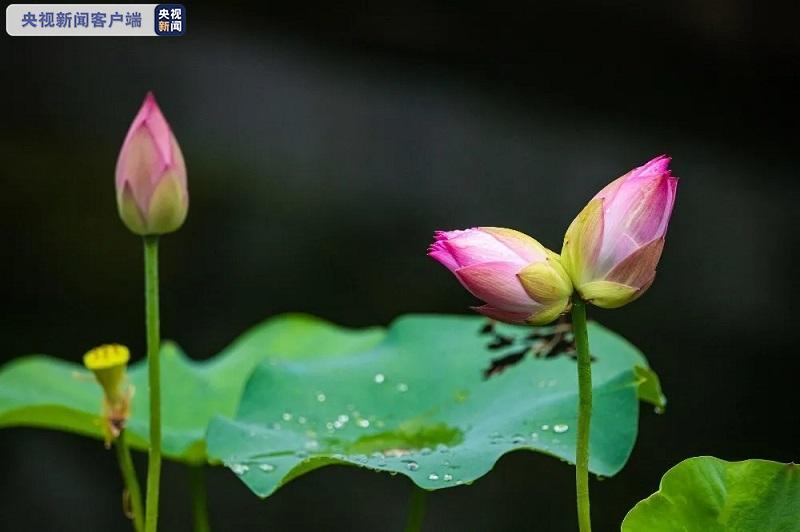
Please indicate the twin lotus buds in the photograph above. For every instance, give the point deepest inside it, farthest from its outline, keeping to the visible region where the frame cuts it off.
(609, 255)
(108, 363)
(152, 196)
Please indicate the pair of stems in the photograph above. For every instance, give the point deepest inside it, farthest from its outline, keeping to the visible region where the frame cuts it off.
(200, 509)
(147, 522)
(133, 494)
(417, 504)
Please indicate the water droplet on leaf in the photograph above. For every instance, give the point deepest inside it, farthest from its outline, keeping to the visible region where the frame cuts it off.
(239, 469)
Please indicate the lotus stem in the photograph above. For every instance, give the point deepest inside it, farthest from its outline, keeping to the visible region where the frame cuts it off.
(197, 483)
(154, 379)
(134, 493)
(416, 511)
(584, 413)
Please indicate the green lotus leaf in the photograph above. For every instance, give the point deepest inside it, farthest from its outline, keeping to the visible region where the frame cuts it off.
(419, 404)
(47, 392)
(706, 494)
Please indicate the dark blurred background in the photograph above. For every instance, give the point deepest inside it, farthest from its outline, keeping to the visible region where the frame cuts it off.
(325, 146)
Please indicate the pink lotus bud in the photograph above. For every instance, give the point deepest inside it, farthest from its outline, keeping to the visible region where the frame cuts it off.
(612, 247)
(152, 197)
(520, 280)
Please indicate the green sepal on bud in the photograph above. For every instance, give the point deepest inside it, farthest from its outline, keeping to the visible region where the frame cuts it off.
(548, 283)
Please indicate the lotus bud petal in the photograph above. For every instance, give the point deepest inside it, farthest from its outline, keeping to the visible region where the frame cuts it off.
(520, 280)
(613, 246)
(152, 195)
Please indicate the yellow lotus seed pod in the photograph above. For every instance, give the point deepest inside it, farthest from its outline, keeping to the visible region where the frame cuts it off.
(108, 363)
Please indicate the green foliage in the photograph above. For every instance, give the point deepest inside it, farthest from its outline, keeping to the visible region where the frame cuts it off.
(650, 387)
(707, 494)
(410, 400)
(47, 392)
(418, 404)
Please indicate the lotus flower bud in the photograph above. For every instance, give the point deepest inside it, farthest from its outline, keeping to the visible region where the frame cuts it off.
(152, 196)
(520, 280)
(108, 363)
(612, 247)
